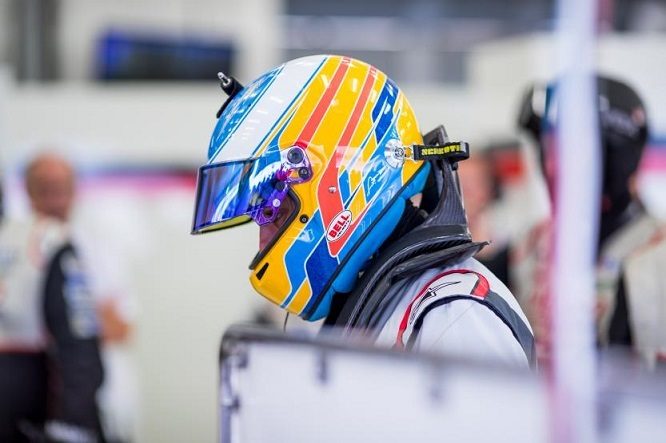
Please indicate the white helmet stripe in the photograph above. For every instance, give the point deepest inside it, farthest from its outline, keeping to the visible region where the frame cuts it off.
(252, 130)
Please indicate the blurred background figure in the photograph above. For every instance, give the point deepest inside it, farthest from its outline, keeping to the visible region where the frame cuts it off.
(50, 183)
(50, 366)
(625, 226)
(51, 186)
(482, 194)
(499, 196)
(643, 286)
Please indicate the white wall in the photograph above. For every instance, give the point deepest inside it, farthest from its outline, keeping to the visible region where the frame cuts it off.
(135, 123)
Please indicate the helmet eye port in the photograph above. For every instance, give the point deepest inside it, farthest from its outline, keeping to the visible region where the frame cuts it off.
(268, 212)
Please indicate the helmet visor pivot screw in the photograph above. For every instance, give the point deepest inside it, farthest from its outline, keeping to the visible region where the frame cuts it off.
(295, 156)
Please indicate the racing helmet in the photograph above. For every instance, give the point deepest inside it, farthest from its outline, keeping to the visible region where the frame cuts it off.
(317, 152)
(623, 132)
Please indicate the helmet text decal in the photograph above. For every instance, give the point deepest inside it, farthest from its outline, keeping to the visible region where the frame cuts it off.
(338, 226)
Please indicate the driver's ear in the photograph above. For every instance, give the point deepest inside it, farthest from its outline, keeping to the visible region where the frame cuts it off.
(416, 199)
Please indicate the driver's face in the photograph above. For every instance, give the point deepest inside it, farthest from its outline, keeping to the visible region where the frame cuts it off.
(268, 231)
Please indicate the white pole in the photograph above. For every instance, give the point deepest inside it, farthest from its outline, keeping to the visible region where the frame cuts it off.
(576, 215)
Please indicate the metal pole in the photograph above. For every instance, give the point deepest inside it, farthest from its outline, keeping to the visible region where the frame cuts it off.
(576, 222)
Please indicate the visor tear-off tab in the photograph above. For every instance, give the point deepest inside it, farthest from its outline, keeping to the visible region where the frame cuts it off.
(454, 151)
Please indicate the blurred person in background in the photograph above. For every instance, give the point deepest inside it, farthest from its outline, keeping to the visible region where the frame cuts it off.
(624, 224)
(324, 153)
(643, 285)
(50, 366)
(51, 184)
(481, 194)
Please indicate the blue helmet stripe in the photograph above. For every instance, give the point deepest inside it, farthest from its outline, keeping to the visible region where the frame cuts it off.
(302, 247)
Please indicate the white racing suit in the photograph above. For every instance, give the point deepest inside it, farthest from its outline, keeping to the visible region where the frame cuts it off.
(462, 309)
(645, 291)
(425, 292)
(614, 252)
(530, 274)
(50, 368)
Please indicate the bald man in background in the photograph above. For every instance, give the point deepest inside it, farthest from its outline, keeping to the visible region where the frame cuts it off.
(51, 185)
(50, 365)
(50, 182)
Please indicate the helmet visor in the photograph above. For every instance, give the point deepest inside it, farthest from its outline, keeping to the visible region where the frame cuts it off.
(232, 193)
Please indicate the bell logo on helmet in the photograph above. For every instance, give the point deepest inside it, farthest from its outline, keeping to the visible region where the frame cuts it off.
(339, 226)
